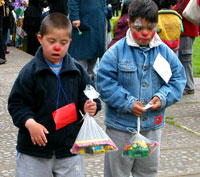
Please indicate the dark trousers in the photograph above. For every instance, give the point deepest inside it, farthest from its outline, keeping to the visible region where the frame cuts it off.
(2, 43)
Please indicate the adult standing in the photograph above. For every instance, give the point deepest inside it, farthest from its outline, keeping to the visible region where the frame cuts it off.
(58, 6)
(186, 46)
(88, 16)
(116, 6)
(2, 44)
(31, 24)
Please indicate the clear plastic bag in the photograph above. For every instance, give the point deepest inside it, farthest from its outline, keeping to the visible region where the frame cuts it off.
(91, 138)
(139, 146)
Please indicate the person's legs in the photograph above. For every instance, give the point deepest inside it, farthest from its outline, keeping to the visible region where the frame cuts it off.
(185, 56)
(70, 167)
(88, 64)
(150, 164)
(115, 164)
(28, 166)
(2, 44)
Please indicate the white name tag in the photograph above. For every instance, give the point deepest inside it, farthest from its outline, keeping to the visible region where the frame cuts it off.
(162, 67)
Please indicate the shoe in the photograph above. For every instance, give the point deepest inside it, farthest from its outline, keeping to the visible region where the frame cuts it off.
(186, 92)
(7, 51)
(2, 61)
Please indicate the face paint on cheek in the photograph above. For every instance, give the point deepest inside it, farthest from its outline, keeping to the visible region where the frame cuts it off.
(135, 35)
(153, 34)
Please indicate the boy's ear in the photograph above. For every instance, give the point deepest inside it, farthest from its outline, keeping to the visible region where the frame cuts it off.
(129, 24)
(39, 37)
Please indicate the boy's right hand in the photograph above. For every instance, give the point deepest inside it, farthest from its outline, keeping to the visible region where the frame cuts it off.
(37, 132)
(138, 109)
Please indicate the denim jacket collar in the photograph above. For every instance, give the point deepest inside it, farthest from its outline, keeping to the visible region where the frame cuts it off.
(156, 41)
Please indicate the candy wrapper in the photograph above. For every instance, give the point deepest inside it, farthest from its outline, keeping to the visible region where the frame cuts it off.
(139, 146)
(91, 138)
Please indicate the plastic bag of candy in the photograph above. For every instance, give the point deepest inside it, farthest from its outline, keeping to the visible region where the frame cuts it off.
(139, 146)
(91, 138)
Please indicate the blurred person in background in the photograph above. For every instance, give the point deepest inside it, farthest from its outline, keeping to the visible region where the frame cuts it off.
(186, 46)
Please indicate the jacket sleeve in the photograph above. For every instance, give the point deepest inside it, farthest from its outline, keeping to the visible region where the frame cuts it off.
(20, 101)
(172, 91)
(74, 8)
(111, 92)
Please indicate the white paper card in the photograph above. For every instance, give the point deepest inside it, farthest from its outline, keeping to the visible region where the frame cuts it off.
(162, 67)
(148, 106)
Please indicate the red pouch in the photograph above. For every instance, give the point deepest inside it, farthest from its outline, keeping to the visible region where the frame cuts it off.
(65, 115)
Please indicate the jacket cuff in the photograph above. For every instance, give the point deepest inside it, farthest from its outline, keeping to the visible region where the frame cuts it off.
(162, 98)
(130, 103)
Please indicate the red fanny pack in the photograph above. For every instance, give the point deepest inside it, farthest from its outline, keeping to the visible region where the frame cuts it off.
(65, 115)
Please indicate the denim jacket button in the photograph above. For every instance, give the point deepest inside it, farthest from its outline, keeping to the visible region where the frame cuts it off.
(144, 85)
(145, 69)
(144, 118)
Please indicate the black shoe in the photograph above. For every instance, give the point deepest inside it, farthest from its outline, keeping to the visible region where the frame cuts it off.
(186, 92)
(2, 61)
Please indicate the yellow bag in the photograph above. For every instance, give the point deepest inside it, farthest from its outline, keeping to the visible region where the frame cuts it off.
(169, 24)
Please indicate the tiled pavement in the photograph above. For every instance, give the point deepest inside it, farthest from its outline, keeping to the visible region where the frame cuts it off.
(180, 147)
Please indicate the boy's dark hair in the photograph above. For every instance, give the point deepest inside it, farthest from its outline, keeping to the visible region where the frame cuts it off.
(143, 8)
(166, 3)
(55, 20)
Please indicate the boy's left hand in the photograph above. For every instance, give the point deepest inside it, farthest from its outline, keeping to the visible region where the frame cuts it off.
(156, 103)
(90, 107)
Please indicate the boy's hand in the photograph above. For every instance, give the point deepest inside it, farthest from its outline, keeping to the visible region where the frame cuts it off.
(156, 103)
(37, 132)
(90, 107)
(138, 109)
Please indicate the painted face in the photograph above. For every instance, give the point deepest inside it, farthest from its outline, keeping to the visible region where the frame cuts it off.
(55, 45)
(143, 31)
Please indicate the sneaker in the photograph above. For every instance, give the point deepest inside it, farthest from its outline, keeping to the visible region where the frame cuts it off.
(186, 92)
(2, 61)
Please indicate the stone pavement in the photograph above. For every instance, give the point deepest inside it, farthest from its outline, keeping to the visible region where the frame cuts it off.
(180, 147)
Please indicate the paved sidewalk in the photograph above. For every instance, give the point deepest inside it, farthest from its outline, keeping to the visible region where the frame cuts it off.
(180, 147)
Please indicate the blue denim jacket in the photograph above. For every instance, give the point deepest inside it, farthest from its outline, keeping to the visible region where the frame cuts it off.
(126, 74)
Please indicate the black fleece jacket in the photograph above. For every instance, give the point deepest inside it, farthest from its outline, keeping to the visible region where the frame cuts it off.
(34, 95)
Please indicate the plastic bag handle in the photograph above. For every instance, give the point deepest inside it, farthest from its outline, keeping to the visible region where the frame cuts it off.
(138, 124)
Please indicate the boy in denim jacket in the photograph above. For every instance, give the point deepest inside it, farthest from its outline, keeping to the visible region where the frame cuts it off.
(45, 104)
(137, 70)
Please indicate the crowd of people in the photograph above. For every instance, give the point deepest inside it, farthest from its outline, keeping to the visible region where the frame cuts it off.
(145, 63)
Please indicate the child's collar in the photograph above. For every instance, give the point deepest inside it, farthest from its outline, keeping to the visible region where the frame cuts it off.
(156, 41)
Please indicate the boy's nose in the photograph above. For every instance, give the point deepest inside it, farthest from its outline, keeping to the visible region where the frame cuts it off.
(145, 34)
(56, 47)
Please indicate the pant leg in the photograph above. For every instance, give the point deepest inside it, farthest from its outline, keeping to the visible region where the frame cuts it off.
(88, 64)
(69, 167)
(186, 56)
(28, 166)
(148, 166)
(115, 164)
(2, 43)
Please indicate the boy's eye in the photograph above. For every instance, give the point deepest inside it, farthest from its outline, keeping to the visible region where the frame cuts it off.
(137, 27)
(63, 42)
(151, 26)
(51, 41)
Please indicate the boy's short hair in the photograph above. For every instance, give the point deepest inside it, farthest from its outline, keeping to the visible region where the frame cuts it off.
(55, 20)
(143, 8)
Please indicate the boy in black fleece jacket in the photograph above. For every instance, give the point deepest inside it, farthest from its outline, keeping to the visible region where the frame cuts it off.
(48, 90)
